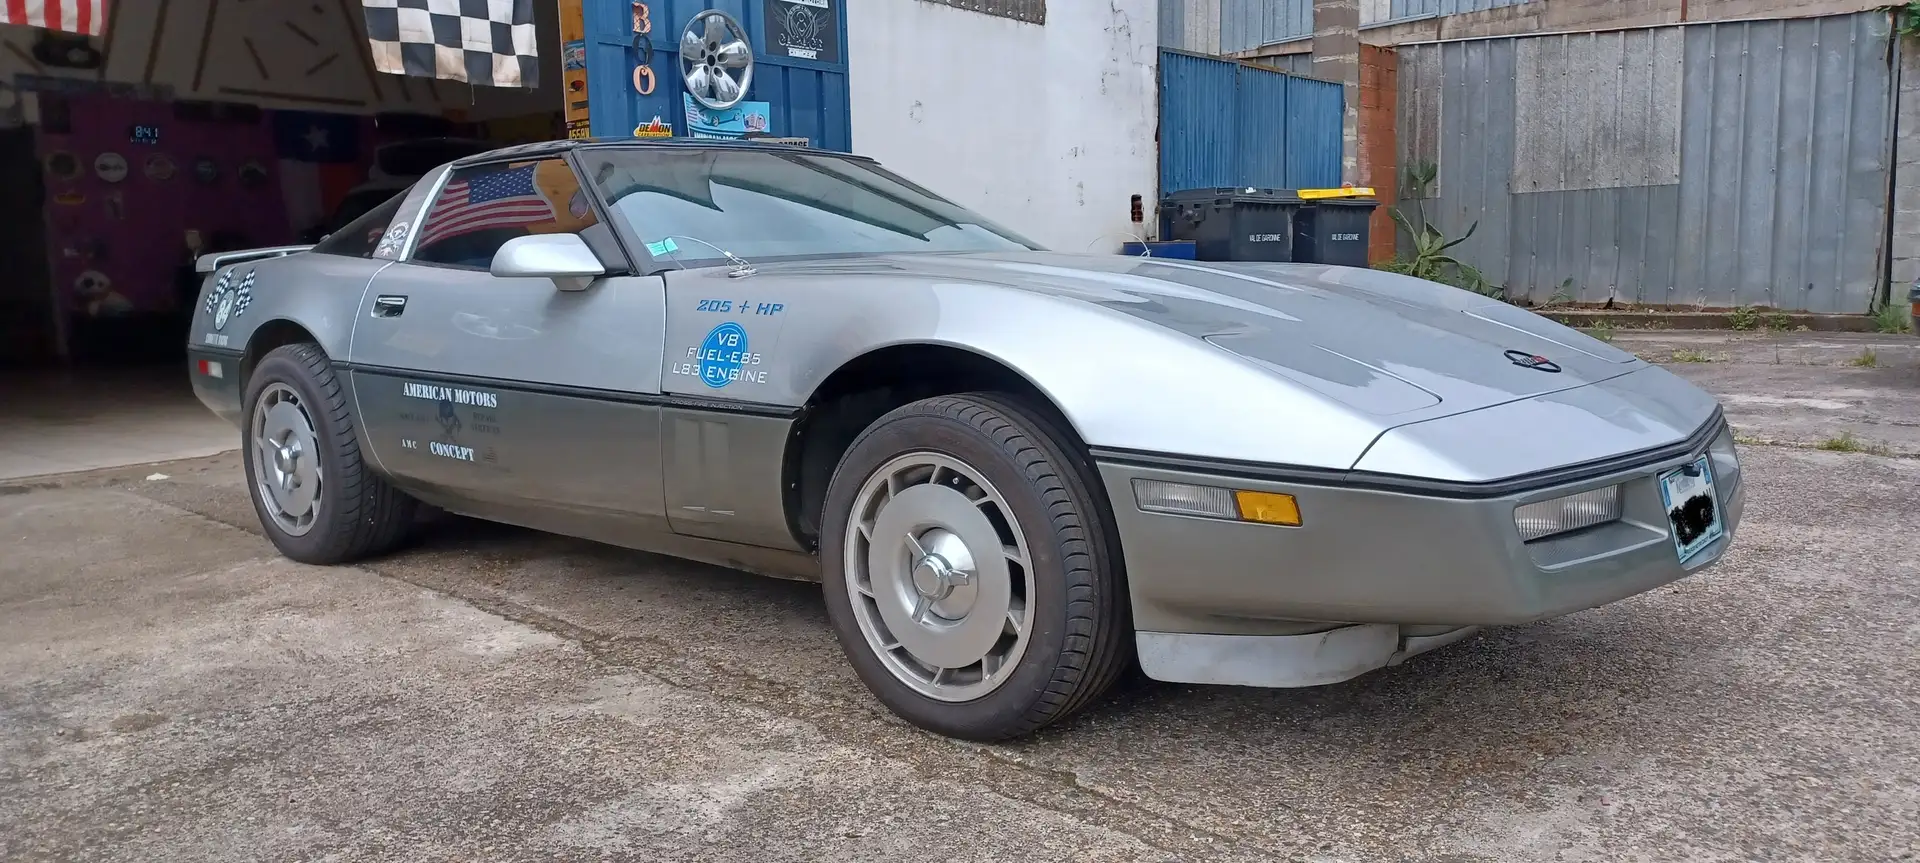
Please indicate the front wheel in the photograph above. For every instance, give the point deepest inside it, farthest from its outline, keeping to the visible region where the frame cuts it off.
(969, 575)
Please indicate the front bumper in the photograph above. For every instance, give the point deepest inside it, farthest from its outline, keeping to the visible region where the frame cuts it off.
(1412, 566)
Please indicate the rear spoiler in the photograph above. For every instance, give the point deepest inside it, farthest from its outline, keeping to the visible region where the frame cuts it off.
(209, 263)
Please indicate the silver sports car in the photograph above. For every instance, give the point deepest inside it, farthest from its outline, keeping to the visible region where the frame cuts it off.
(1017, 472)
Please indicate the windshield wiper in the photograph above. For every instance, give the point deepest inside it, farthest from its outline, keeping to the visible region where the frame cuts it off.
(740, 269)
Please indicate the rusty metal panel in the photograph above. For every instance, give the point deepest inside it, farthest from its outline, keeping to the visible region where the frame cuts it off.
(1706, 165)
(1601, 111)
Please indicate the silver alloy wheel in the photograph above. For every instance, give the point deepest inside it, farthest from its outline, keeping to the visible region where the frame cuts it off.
(286, 459)
(939, 576)
(716, 60)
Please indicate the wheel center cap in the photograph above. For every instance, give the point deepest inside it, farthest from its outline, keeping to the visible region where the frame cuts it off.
(933, 577)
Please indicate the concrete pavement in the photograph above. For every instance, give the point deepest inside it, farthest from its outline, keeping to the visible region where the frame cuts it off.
(1800, 388)
(171, 689)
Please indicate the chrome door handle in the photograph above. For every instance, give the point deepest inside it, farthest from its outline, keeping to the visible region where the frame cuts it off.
(389, 305)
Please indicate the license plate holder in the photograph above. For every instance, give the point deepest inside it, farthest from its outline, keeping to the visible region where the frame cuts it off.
(1692, 506)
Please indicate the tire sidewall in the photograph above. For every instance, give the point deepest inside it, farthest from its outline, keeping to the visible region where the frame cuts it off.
(283, 366)
(906, 431)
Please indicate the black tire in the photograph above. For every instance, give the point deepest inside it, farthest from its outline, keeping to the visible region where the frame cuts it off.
(360, 515)
(1081, 637)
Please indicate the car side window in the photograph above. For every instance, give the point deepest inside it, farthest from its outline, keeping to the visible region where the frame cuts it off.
(361, 236)
(482, 207)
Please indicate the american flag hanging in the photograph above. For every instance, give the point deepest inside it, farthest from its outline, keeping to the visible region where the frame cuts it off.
(500, 199)
(86, 17)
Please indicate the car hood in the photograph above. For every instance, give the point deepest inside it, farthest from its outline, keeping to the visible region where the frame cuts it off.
(1392, 346)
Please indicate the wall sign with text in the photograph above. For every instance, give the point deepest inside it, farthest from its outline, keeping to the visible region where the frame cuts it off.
(806, 29)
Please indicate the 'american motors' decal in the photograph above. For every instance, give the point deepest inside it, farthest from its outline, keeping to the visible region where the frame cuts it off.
(436, 393)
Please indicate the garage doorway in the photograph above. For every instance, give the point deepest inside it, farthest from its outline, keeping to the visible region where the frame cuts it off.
(30, 327)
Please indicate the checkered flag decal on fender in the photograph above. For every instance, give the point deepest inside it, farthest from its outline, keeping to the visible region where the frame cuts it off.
(481, 42)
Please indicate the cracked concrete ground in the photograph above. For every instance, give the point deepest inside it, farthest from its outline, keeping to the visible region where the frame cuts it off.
(1803, 389)
(172, 689)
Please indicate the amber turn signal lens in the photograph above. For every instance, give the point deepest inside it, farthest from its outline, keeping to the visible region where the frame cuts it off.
(1268, 508)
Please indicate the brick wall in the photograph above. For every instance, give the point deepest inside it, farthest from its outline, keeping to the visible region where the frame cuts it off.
(1379, 99)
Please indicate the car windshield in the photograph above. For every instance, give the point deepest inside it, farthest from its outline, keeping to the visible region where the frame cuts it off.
(762, 204)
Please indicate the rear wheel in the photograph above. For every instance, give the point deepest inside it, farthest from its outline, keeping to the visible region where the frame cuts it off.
(317, 500)
(968, 572)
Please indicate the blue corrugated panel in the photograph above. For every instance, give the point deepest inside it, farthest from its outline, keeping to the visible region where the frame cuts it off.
(1224, 123)
(1315, 111)
(1262, 122)
(1196, 122)
(807, 98)
(1249, 24)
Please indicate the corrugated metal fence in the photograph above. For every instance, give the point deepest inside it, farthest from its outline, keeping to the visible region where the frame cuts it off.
(1717, 165)
(1390, 11)
(1225, 26)
(1249, 24)
(1224, 123)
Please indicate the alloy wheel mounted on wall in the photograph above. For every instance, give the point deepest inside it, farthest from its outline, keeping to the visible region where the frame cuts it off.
(716, 60)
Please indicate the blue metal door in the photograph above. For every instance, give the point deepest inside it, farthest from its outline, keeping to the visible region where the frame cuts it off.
(1224, 123)
(806, 98)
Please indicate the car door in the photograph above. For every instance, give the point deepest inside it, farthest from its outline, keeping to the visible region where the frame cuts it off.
(506, 397)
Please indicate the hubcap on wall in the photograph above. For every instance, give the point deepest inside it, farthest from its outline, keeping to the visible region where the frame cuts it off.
(939, 576)
(286, 460)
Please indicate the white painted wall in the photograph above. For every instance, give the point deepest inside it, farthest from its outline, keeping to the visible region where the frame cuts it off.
(1047, 129)
(310, 55)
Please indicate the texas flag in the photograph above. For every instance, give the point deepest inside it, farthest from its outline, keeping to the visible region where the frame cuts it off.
(88, 17)
(321, 160)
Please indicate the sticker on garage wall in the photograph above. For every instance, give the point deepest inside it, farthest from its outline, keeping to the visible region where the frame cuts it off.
(63, 165)
(805, 29)
(111, 167)
(95, 292)
(657, 128)
(253, 175)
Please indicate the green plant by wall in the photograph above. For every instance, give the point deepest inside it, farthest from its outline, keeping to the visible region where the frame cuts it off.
(1908, 18)
(1891, 319)
(1430, 260)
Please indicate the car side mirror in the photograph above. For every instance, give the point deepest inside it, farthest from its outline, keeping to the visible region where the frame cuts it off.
(564, 258)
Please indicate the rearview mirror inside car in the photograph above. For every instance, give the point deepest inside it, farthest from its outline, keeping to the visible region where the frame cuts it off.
(564, 258)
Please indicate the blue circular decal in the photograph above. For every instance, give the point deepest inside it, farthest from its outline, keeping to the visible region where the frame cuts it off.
(722, 354)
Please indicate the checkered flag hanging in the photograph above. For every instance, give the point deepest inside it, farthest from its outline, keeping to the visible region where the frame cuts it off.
(476, 41)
